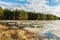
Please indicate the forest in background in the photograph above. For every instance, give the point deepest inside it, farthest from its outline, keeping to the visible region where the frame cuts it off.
(8, 14)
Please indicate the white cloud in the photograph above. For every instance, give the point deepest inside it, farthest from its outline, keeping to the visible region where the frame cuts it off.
(40, 6)
(1, 2)
(10, 5)
(36, 5)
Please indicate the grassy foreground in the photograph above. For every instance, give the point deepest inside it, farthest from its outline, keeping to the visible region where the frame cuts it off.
(15, 34)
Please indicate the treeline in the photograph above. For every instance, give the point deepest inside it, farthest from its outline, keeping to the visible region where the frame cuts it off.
(7, 14)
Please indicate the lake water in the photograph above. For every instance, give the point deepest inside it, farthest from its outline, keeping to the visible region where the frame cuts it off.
(46, 25)
(39, 25)
(51, 28)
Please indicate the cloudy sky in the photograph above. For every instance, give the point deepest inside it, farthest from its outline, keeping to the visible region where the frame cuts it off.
(43, 6)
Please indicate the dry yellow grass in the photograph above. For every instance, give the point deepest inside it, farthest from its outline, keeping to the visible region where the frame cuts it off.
(3, 27)
(24, 34)
(20, 34)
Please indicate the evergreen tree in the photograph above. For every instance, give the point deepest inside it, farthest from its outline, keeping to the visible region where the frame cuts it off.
(50, 17)
(1, 13)
(43, 16)
(23, 15)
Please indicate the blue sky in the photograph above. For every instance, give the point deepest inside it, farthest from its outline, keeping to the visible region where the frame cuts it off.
(13, 3)
(44, 6)
(23, 2)
(16, 1)
(53, 2)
